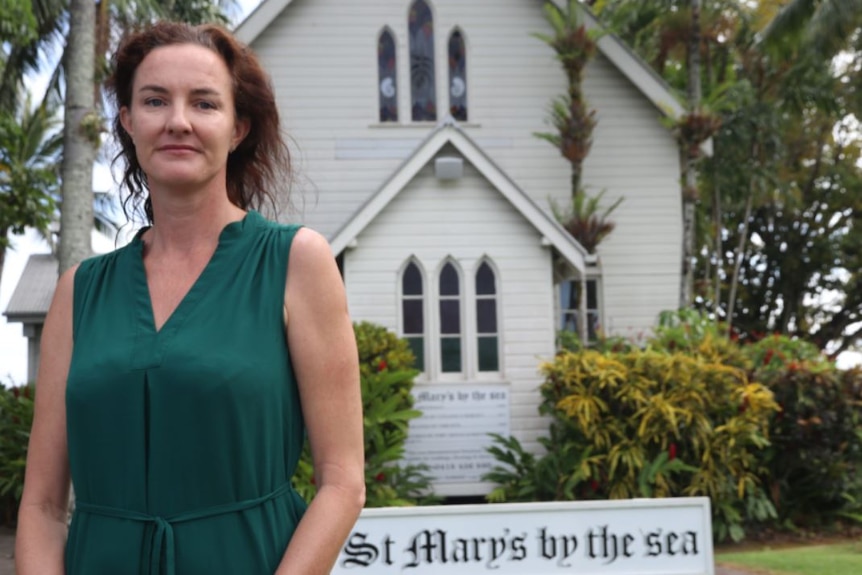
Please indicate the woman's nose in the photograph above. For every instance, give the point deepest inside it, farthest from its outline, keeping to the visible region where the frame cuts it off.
(178, 120)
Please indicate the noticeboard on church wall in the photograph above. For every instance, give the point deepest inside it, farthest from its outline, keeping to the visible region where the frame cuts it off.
(629, 536)
(451, 436)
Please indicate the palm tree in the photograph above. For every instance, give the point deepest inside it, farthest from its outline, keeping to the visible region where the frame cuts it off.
(81, 135)
(92, 29)
(688, 42)
(690, 194)
(575, 46)
(30, 145)
(40, 24)
(827, 26)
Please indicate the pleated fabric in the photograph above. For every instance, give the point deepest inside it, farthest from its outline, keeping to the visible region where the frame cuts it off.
(182, 441)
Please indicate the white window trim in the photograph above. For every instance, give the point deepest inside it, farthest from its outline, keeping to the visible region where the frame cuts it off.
(558, 309)
(437, 64)
(398, 89)
(433, 371)
(448, 86)
(474, 325)
(425, 299)
(437, 372)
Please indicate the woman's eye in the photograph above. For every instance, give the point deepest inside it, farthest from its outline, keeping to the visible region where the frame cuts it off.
(155, 102)
(206, 105)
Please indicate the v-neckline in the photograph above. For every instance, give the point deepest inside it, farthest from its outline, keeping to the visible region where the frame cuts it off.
(147, 314)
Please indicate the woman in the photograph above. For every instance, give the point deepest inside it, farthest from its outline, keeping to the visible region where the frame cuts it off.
(177, 371)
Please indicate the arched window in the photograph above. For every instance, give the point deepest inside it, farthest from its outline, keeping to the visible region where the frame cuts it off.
(457, 76)
(450, 320)
(386, 77)
(487, 334)
(413, 312)
(422, 86)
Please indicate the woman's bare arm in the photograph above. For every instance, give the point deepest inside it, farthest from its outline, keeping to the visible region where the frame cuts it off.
(41, 533)
(323, 352)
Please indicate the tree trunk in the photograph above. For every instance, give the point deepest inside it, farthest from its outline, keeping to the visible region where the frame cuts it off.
(737, 264)
(718, 248)
(583, 324)
(81, 132)
(689, 193)
(739, 253)
(695, 94)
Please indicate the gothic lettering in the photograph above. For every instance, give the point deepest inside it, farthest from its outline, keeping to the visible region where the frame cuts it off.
(359, 552)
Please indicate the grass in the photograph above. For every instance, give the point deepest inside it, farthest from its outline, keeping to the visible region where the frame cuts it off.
(833, 559)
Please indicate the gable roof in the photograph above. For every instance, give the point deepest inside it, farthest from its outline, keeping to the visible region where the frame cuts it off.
(32, 296)
(448, 132)
(638, 72)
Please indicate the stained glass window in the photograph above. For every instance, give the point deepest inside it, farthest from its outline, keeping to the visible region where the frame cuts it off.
(488, 340)
(387, 81)
(457, 76)
(412, 312)
(450, 320)
(422, 85)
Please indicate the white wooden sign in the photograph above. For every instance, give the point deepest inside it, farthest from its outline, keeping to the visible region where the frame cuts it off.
(631, 537)
(451, 437)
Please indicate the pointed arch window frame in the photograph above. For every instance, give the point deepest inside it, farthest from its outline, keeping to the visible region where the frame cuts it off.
(387, 87)
(457, 88)
(423, 65)
(450, 334)
(487, 333)
(417, 338)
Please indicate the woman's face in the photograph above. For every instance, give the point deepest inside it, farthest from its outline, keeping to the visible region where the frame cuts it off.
(181, 118)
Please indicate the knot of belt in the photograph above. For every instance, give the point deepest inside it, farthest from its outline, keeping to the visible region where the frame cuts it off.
(162, 538)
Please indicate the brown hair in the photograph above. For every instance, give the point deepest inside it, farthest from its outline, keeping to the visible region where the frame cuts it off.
(259, 162)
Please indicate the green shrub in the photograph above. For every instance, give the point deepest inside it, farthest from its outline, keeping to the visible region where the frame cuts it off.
(568, 340)
(770, 431)
(692, 332)
(645, 423)
(386, 380)
(16, 417)
(815, 459)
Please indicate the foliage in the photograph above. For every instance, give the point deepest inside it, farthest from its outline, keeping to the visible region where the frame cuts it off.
(379, 350)
(574, 46)
(29, 152)
(693, 332)
(386, 380)
(779, 239)
(816, 453)
(16, 417)
(568, 340)
(771, 431)
(825, 26)
(32, 25)
(800, 245)
(645, 423)
(18, 24)
(583, 219)
(694, 128)
(573, 121)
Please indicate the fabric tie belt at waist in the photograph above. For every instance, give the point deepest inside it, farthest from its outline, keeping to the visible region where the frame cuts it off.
(163, 538)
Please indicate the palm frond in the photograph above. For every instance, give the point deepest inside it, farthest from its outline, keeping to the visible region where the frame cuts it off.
(833, 24)
(790, 21)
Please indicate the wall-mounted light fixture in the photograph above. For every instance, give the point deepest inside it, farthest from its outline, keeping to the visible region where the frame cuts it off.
(448, 168)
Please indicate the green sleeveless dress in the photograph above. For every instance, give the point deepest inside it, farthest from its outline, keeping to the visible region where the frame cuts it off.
(182, 442)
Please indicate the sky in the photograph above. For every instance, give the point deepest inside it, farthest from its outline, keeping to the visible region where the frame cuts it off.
(13, 344)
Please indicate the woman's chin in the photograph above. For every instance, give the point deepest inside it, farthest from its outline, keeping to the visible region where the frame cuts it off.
(178, 179)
